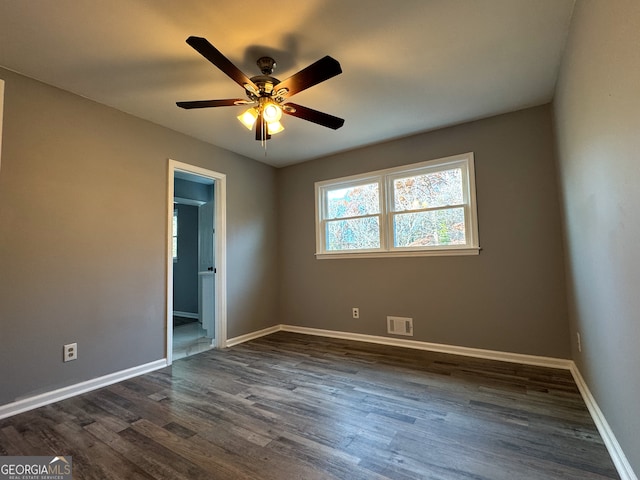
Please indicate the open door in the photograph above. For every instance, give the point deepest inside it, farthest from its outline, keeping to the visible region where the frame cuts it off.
(206, 267)
(212, 279)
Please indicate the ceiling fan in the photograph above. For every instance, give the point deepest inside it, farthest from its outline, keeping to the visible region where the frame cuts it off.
(267, 95)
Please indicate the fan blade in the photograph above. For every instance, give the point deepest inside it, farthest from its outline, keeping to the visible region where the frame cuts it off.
(211, 53)
(261, 129)
(314, 116)
(317, 72)
(212, 103)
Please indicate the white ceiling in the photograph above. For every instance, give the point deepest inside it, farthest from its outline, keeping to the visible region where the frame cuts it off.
(408, 66)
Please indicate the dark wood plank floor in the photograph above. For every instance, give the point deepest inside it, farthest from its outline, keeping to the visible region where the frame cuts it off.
(292, 406)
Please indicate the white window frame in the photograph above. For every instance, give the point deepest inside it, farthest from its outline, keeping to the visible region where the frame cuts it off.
(385, 179)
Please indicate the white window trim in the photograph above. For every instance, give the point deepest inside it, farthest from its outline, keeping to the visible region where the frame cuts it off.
(385, 179)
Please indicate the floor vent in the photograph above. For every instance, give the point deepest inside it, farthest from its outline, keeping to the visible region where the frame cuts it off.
(400, 326)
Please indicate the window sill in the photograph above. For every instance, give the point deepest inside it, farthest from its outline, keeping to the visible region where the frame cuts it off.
(401, 253)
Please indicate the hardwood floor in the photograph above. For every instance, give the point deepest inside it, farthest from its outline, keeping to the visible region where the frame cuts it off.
(291, 406)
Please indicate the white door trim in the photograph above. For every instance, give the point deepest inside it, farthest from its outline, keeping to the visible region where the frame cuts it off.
(220, 205)
(1, 111)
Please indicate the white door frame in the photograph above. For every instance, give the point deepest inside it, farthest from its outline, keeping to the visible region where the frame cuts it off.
(220, 225)
(1, 111)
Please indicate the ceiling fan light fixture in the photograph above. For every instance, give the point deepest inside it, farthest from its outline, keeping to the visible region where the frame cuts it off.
(274, 127)
(266, 93)
(272, 112)
(248, 118)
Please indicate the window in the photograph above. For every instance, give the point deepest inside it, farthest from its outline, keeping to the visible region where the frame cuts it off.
(175, 233)
(427, 208)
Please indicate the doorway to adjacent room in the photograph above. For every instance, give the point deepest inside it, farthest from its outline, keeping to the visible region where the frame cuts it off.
(196, 279)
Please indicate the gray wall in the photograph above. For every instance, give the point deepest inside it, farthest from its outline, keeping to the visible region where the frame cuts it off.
(598, 123)
(83, 227)
(510, 298)
(185, 269)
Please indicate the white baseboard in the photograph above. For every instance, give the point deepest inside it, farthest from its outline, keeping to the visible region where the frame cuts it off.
(252, 336)
(437, 347)
(177, 313)
(613, 447)
(29, 403)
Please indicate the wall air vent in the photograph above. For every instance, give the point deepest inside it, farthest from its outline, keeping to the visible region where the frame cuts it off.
(400, 326)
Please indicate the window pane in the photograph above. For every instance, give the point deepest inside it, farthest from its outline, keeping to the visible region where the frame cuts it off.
(429, 229)
(354, 234)
(436, 189)
(353, 201)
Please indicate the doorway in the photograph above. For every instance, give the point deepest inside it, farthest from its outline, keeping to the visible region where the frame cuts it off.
(196, 260)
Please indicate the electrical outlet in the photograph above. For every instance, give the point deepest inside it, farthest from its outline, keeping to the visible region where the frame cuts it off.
(356, 312)
(70, 352)
(579, 342)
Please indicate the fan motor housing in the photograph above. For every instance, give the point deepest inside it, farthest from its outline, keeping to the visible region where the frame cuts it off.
(265, 84)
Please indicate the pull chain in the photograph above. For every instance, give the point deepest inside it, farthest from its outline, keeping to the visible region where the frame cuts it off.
(263, 128)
